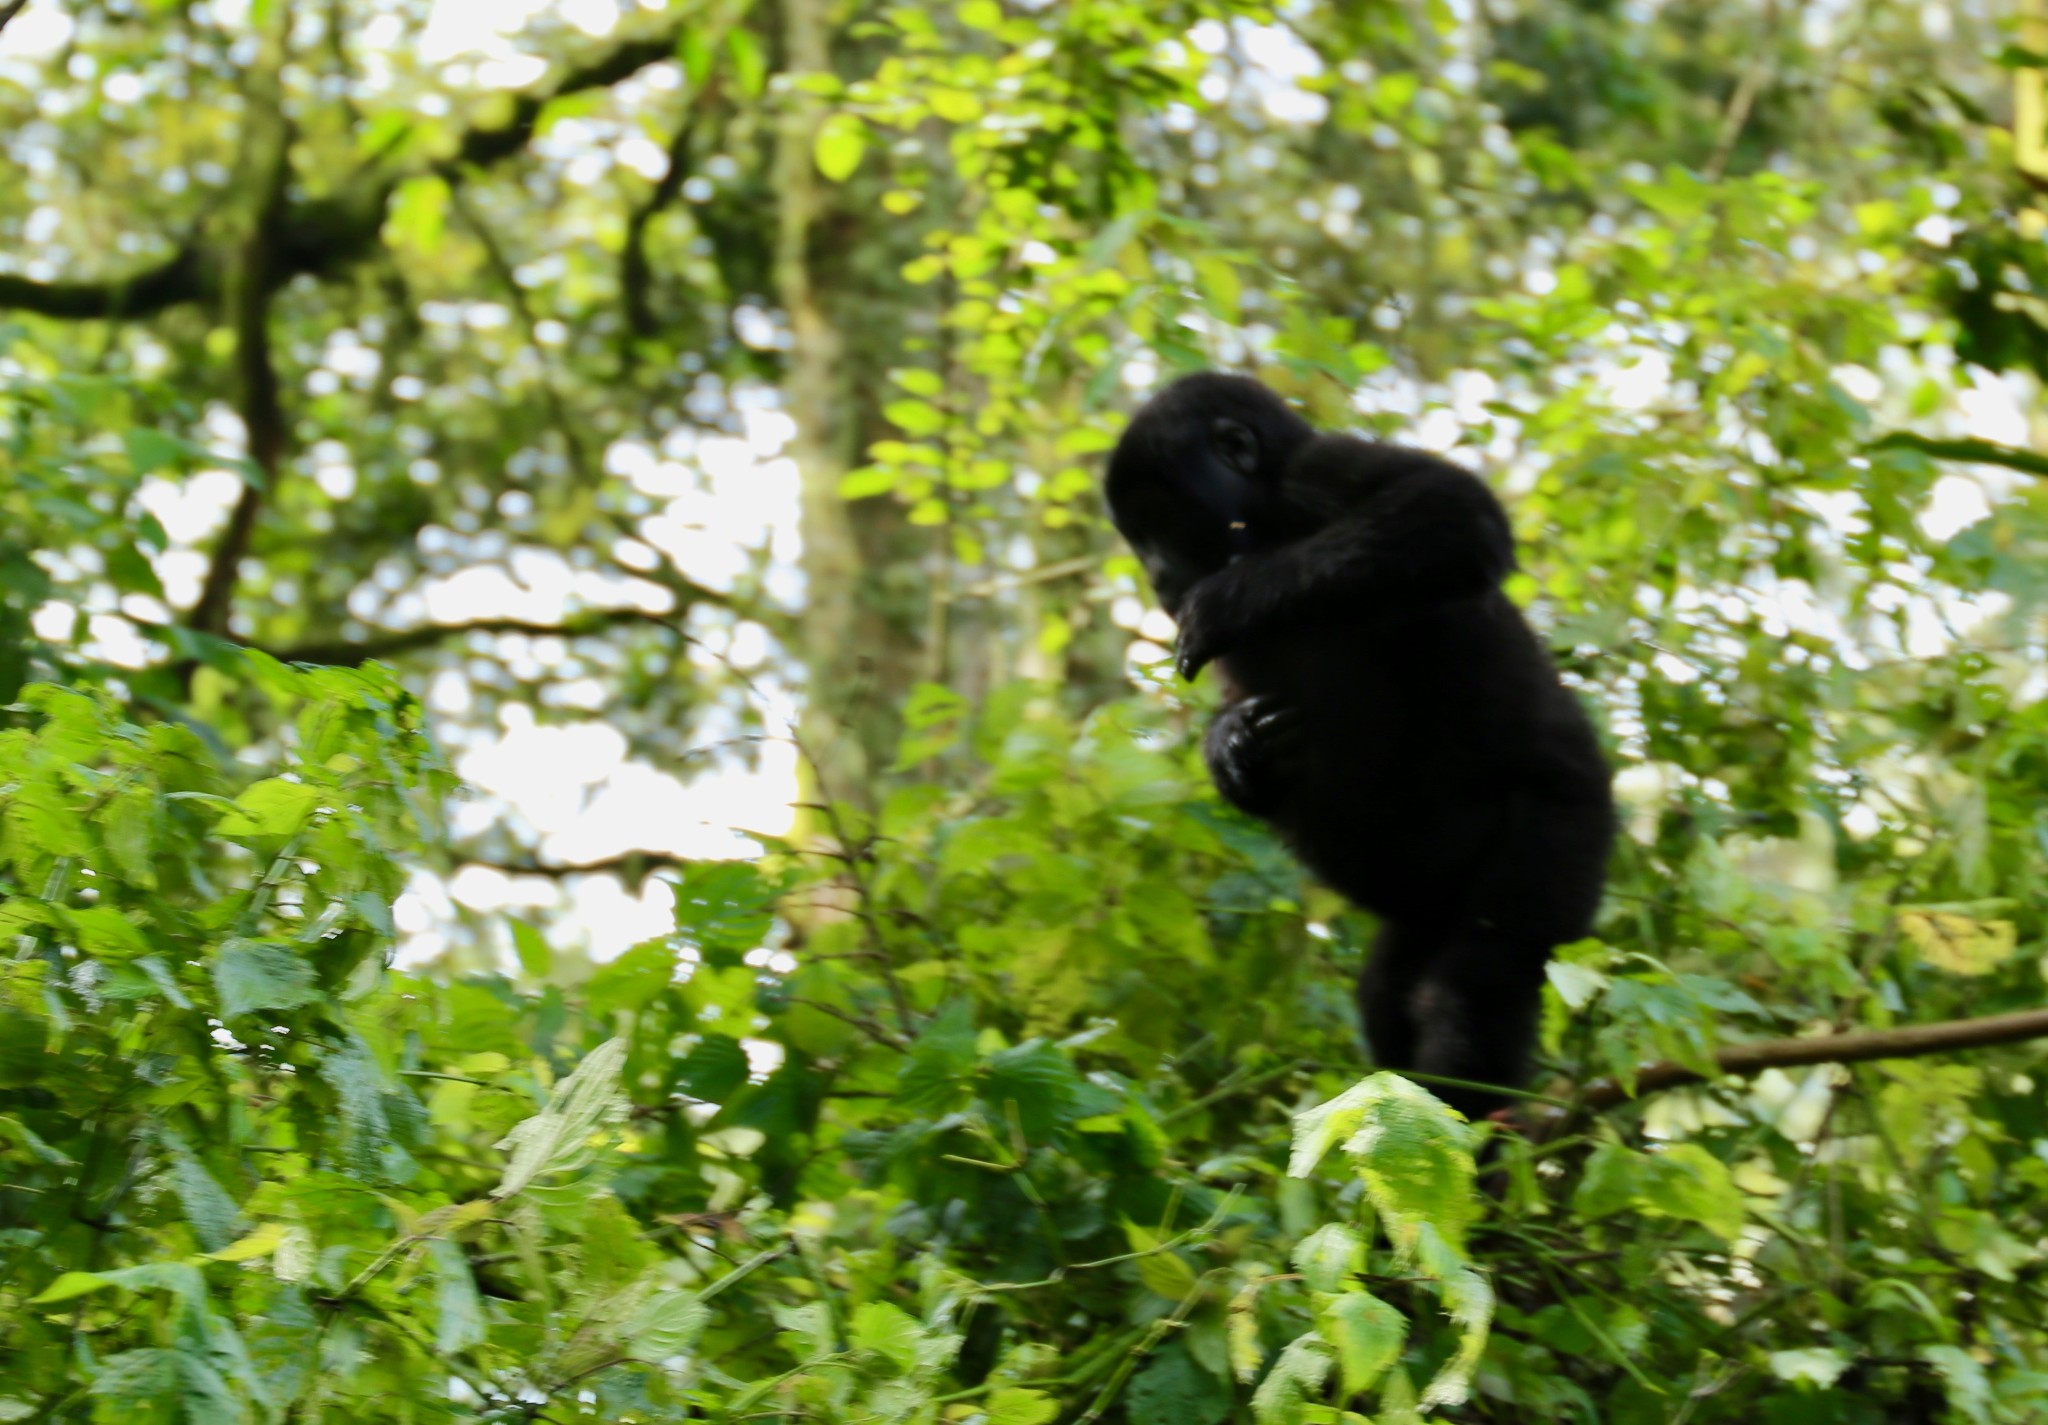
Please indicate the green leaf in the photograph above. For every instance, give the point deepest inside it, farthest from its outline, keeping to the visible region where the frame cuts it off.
(272, 807)
(867, 482)
(1684, 1181)
(559, 1136)
(1328, 1256)
(1818, 1366)
(715, 1066)
(749, 64)
(418, 216)
(1172, 1387)
(955, 106)
(106, 932)
(215, 1218)
(131, 573)
(1167, 1275)
(458, 1310)
(1413, 1155)
(1016, 1406)
(253, 974)
(724, 909)
(889, 1332)
(1367, 1334)
(841, 140)
(1295, 1382)
(666, 1324)
(67, 1286)
(148, 1374)
(151, 450)
(1693, 1185)
(915, 417)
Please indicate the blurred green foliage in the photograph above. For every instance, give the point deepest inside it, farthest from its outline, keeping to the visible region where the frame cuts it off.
(1019, 1085)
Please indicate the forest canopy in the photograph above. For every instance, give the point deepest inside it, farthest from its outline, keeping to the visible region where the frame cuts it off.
(595, 825)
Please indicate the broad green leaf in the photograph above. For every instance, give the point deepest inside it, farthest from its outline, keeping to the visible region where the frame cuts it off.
(841, 140)
(559, 1136)
(887, 1331)
(1015, 1406)
(1328, 1256)
(458, 1310)
(1818, 1366)
(265, 1239)
(273, 807)
(1167, 1275)
(714, 1068)
(1295, 1382)
(67, 1286)
(250, 975)
(666, 1324)
(1366, 1334)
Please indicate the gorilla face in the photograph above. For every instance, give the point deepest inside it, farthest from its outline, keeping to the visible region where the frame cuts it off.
(1195, 476)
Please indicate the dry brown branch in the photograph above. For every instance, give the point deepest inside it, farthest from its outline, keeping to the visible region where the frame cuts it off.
(1904, 1042)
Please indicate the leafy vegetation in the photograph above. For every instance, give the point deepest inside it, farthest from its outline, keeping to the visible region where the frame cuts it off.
(1015, 1082)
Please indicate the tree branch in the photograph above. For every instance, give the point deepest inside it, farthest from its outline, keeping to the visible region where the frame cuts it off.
(631, 867)
(265, 172)
(348, 653)
(635, 276)
(1904, 1042)
(318, 237)
(9, 10)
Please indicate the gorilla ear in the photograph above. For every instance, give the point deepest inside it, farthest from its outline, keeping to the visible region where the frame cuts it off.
(1236, 445)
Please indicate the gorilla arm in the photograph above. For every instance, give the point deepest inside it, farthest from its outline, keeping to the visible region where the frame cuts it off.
(1411, 529)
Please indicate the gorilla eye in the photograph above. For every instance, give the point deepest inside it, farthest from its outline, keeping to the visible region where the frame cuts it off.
(1237, 445)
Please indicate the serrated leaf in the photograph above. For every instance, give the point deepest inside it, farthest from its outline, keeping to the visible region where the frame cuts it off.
(887, 1331)
(1295, 1381)
(715, 1066)
(1366, 1334)
(253, 974)
(215, 1218)
(666, 1324)
(458, 1309)
(1246, 1355)
(1328, 1256)
(558, 1137)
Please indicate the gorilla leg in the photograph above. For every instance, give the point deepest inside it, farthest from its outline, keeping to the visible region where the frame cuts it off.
(1474, 1010)
(1462, 1005)
(1399, 956)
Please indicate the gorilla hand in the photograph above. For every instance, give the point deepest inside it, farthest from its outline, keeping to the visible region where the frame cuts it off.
(1254, 751)
(1206, 630)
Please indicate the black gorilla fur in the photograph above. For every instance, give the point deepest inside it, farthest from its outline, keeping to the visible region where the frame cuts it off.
(1386, 707)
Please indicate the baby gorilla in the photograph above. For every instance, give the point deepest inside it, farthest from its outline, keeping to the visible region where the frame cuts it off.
(1386, 708)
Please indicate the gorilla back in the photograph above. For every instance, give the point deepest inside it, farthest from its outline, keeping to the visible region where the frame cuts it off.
(1386, 709)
